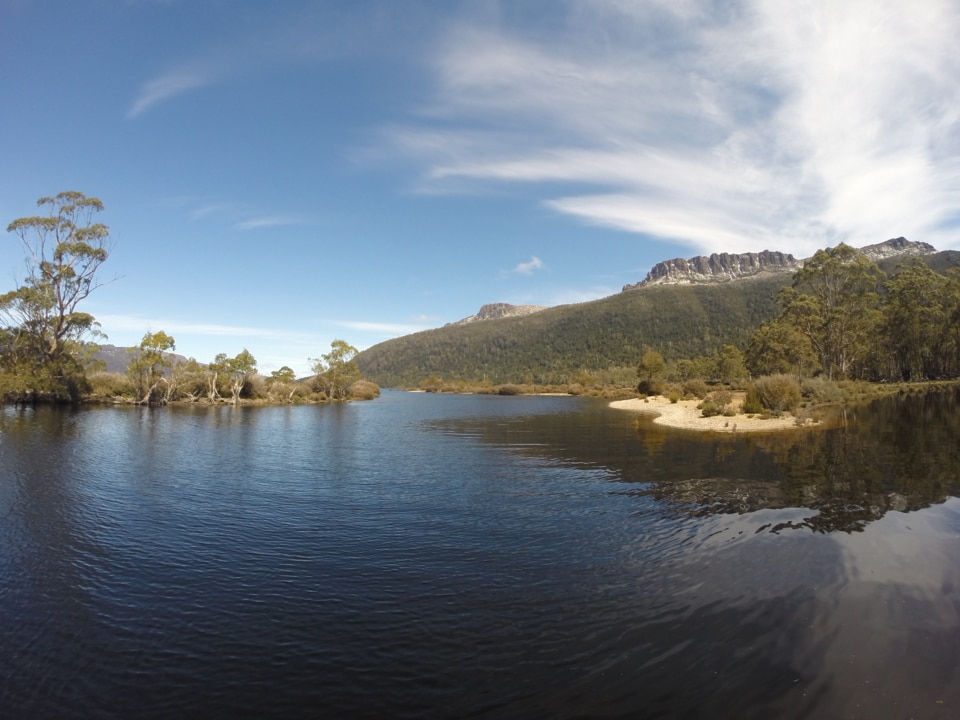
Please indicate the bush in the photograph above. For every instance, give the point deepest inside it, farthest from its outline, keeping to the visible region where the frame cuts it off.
(650, 387)
(695, 387)
(364, 390)
(773, 392)
(718, 404)
(709, 408)
(821, 390)
(108, 384)
(509, 390)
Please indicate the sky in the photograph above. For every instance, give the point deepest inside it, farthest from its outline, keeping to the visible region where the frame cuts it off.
(280, 175)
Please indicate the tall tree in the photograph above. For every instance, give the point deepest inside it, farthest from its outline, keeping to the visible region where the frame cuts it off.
(64, 249)
(239, 370)
(916, 321)
(337, 369)
(148, 368)
(835, 303)
(779, 348)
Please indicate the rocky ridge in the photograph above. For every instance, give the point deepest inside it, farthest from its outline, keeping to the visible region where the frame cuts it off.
(726, 267)
(495, 311)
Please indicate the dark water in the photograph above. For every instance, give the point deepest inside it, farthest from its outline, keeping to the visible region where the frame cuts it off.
(484, 557)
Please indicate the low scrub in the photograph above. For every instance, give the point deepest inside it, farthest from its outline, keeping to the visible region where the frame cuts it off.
(364, 390)
(777, 393)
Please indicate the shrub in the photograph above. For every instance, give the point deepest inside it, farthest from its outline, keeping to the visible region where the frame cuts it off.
(709, 408)
(107, 384)
(364, 390)
(695, 387)
(774, 392)
(650, 387)
(821, 390)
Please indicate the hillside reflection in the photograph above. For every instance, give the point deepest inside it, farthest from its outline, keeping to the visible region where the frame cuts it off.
(895, 454)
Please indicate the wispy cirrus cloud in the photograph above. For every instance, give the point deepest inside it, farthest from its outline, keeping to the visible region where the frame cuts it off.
(269, 221)
(733, 126)
(168, 86)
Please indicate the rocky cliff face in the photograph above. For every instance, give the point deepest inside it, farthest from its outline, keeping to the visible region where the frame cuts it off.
(719, 267)
(495, 311)
(726, 267)
(895, 247)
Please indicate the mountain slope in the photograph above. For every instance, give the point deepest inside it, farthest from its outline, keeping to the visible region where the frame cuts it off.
(552, 345)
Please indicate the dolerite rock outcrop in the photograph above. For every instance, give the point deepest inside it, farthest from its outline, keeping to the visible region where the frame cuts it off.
(495, 311)
(726, 267)
(719, 267)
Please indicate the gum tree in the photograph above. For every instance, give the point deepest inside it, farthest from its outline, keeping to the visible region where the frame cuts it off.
(64, 250)
(337, 369)
(148, 369)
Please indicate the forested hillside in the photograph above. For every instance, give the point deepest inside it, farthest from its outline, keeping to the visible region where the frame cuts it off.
(554, 345)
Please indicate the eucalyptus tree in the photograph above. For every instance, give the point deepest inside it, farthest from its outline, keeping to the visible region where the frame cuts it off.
(337, 369)
(779, 348)
(239, 369)
(149, 366)
(64, 250)
(834, 301)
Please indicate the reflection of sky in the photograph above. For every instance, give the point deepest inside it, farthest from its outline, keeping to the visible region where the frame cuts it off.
(896, 621)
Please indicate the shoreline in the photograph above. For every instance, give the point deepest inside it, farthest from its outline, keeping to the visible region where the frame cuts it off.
(684, 415)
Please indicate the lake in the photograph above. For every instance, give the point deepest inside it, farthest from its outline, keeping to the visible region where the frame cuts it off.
(443, 556)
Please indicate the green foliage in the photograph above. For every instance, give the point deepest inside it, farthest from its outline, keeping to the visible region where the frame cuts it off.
(557, 345)
(148, 368)
(364, 390)
(773, 392)
(778, 347)
(695, 387)
(651, 387)
(651, 365)
(239, 370)
(917, 321)
(730, 365)
(718, 403)
(42, 353)
(337, 369)
(819, 390)
(834, 301)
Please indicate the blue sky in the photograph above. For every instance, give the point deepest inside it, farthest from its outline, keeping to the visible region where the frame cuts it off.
(278, 175)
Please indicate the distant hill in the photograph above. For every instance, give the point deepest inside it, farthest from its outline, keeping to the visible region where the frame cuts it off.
(117, 359)
(680, 320)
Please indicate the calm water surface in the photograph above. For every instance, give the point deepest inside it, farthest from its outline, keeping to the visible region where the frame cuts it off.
(482, 557)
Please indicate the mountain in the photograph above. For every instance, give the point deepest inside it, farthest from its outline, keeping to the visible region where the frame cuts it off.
(727, 267)
(117, 359)
(898, 247)
(695, 314)
(496, 311)
(719, 267)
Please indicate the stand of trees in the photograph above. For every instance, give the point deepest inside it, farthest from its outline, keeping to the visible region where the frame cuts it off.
(45, 348)
(844, 318)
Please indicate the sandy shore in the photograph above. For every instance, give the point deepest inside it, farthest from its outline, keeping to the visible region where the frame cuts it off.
(684, 414)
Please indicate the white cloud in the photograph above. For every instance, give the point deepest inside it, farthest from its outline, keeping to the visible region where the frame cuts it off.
(268, 222)
(528, 268)
(759, 124)
(165, 87)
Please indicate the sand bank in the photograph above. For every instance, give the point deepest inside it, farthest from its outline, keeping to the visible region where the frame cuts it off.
(684, 414)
